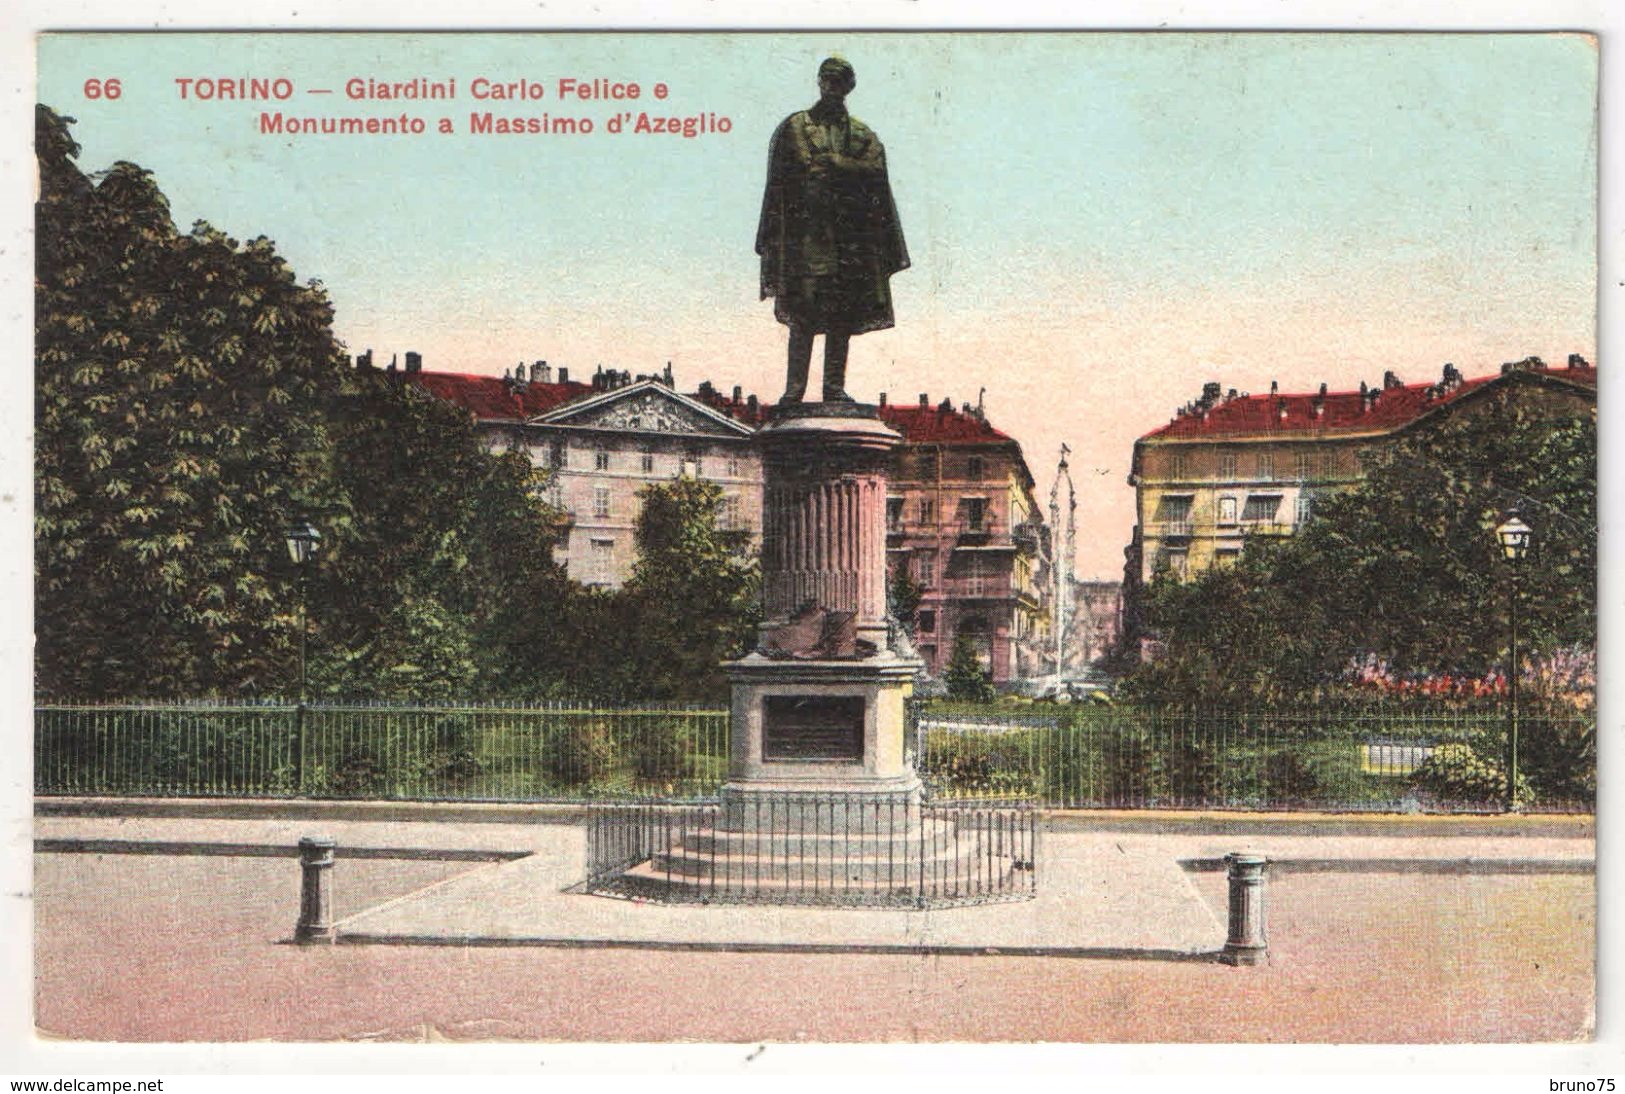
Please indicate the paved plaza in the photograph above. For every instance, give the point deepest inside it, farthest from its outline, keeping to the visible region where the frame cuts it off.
(177, 928)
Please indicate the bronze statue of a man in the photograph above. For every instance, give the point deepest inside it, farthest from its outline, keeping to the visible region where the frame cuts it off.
(829, 235)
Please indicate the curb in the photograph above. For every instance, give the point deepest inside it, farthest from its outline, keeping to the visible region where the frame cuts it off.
(1151, 822)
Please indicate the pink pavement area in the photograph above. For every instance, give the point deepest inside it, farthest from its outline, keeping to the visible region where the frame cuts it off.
(194, 948)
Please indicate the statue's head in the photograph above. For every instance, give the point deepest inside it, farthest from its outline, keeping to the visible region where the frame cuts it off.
(836, 78)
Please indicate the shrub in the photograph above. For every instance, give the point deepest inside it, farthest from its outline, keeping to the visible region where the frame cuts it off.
(1459, 771)
(582, 752)
(981, 764)
(664, 753)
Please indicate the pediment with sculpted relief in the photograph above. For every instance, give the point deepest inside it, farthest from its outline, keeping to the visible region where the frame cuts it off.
(648, 410)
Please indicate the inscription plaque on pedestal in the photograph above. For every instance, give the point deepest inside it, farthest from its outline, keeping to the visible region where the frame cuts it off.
(804, 728)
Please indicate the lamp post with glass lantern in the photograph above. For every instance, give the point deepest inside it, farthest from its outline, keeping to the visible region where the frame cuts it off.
(302, 543)
(1515, 538)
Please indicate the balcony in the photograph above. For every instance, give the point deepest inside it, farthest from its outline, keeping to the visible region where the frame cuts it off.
(1173, 529)
(1025, 537)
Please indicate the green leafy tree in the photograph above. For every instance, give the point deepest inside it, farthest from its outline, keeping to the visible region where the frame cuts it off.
(191, 401)
(693, 591)
(903, 597)
(173, 378)
(964, 677)
(1404, 566)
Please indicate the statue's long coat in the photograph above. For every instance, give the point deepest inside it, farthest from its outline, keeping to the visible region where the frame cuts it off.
(829, 244)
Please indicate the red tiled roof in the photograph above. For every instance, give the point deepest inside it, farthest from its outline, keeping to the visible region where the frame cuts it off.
(1343, 411)
(917, 424)
(936, 425)
(493, 398)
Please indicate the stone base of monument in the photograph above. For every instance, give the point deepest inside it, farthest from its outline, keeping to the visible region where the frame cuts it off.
(816, 850)
(822, 804)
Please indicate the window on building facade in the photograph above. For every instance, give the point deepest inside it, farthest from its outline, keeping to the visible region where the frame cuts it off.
(1266, 465)
(926, 623)
(1227, 509)
(1173, 512)
(1306, 506)
(1303, 465)
(733, 467)
(561, 454)
(1226, 556)
(647, 463)
(730, 511)
(928, 510)
(1178, 465)
(976, 514)
(600, 502)
(1328, 464)
(602, 562)
(1178, 563)
(925, 569)
(1227, 466)
(693, 467)
(894, 514)
(975, 576)
(600, 460)
(975, 467)
(1261, 509)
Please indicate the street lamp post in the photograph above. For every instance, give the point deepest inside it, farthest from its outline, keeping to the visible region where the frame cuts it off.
(302, 543)
(1515, 538)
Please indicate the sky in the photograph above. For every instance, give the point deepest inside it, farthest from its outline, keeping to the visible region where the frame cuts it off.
(1098, 223)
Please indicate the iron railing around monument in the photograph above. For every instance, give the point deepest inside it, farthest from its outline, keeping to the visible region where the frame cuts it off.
(820, 849)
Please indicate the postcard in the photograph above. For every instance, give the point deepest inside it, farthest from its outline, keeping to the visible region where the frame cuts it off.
(840, 537)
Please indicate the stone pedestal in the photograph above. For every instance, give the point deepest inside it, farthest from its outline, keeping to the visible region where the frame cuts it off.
(807, 723)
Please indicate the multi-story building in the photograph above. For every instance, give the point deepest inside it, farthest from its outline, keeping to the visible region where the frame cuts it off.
(962, 520)
(1097, 621)
(1232, 465)
(605, 441)
(961, 513)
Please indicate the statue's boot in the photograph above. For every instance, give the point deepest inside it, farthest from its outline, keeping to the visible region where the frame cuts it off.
(835, 380)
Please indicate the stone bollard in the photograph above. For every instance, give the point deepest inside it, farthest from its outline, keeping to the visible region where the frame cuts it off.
(1246, 944)
(316, 892)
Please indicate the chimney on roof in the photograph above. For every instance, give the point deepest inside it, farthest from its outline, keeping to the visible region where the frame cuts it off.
(1391, 379)
(414, 361)
(946, 406)
(739, 393)
(1231, 394)
(751, 404)
(1323, 389)
(1363, 390)
(626, 376)
(925, 400)
(364, 360)
(1280, 409)
(520, 373)
(882, 398)
(1576, 361)
(1210, 391)
(667, 376)
(564, 375)
(392, 362)
(541, 372)
(1275, 387)
(1320, 402)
